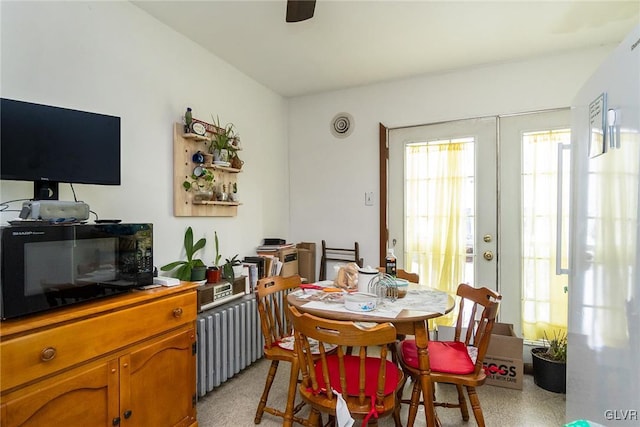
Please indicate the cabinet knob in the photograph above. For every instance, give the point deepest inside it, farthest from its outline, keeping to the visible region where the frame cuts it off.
(127, 414)
(115, 421)
(177, 312)
(47, 354)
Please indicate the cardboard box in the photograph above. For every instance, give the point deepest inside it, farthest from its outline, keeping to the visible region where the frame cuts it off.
(289, 258)
(503, 361)
(307, 261)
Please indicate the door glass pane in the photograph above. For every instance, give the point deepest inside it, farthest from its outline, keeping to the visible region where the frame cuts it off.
(544, 297)
(441, 198)
(440, 211)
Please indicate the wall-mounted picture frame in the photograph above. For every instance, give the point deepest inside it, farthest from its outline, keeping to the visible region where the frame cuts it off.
(597, 126)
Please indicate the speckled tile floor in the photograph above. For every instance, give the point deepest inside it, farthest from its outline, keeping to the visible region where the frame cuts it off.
(234, 403)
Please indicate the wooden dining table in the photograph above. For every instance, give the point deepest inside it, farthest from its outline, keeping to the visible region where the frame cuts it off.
(409, 319)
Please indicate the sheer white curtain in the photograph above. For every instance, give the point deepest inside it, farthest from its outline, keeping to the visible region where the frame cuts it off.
(545, 301)
(437, 211)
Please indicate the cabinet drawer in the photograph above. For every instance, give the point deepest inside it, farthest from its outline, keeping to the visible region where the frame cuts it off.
(42, 353)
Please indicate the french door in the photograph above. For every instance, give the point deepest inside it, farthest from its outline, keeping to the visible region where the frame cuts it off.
(459, 208)
(442, 198)
(534, 201)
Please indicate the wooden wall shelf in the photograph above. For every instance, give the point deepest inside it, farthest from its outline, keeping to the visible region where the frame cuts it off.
(184, 146)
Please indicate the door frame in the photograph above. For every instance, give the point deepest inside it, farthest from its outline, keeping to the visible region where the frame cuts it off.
(384, 183)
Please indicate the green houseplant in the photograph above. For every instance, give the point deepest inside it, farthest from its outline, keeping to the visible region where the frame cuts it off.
(216, 260)
(184, 270)
(214, 272)
(228, 269)
(201, 185)
(550, 363)
(221, 140)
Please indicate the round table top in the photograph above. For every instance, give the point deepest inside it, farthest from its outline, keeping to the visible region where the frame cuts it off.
(406, 315)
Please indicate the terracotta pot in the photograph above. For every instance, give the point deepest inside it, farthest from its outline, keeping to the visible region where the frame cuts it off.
(213, 275)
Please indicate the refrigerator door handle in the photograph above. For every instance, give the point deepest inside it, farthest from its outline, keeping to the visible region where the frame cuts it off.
(559, 269)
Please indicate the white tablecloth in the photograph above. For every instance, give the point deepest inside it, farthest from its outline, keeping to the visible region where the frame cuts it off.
(427, 300)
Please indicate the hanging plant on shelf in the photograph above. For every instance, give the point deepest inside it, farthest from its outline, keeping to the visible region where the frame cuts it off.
(221, 141)
(202, 184)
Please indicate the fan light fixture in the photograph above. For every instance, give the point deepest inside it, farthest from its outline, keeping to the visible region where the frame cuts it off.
(300, 10)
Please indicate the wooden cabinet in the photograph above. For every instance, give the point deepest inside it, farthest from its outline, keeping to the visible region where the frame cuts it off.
(95, 365)
(184, 147)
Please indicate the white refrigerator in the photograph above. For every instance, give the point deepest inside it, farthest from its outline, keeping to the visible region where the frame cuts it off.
(603, 363)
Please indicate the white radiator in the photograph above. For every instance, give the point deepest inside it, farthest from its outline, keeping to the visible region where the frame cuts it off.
(229, 340)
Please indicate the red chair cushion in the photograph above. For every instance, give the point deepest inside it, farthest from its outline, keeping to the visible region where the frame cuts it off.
(352, 368)
(449, 357)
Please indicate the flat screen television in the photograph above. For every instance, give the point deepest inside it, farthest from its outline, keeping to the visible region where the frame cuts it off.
(49, 145)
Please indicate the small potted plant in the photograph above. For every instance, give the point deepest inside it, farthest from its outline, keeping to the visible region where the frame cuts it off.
(232, 268)
(193, 269)
(214, 272)
(233, 195)
(550, 363)
(221, 141)
(201, 185)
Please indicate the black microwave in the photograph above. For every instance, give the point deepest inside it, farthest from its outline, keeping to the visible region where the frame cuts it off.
(49, 266)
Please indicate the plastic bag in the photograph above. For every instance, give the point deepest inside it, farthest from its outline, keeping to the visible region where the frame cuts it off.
(347, 277)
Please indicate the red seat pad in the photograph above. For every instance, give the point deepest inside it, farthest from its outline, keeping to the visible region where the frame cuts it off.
(444, 356)
(352, 368)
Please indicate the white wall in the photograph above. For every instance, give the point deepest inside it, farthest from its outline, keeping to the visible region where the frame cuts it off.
(330, 176)
(113, 58)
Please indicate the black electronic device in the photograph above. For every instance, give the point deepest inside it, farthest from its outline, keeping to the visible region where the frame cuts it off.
(49, 145)
(52, 266)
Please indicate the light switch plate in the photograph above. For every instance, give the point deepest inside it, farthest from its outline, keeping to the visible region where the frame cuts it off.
(368, 198)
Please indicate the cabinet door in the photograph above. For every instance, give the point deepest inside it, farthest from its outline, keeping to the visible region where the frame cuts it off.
(86, 396)
(158, 382)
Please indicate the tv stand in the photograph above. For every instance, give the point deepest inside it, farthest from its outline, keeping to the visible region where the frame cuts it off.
(100, 363)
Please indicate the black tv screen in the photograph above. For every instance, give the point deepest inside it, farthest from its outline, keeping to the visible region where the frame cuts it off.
(49, 145)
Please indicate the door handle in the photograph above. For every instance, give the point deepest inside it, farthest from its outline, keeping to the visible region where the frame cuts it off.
(559, 269)
(488, 255)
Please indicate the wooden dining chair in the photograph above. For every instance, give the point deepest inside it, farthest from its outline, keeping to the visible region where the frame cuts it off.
(338, 255)
(368, 383)
(271, 295)
(457, 362)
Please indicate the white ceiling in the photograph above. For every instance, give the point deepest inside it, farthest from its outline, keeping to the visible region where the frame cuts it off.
(352, 43)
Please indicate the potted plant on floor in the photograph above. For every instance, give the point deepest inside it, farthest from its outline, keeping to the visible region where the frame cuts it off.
(193, 269)
(550, 363)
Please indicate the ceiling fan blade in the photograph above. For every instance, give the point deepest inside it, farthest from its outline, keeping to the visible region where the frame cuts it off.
(300, 10)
